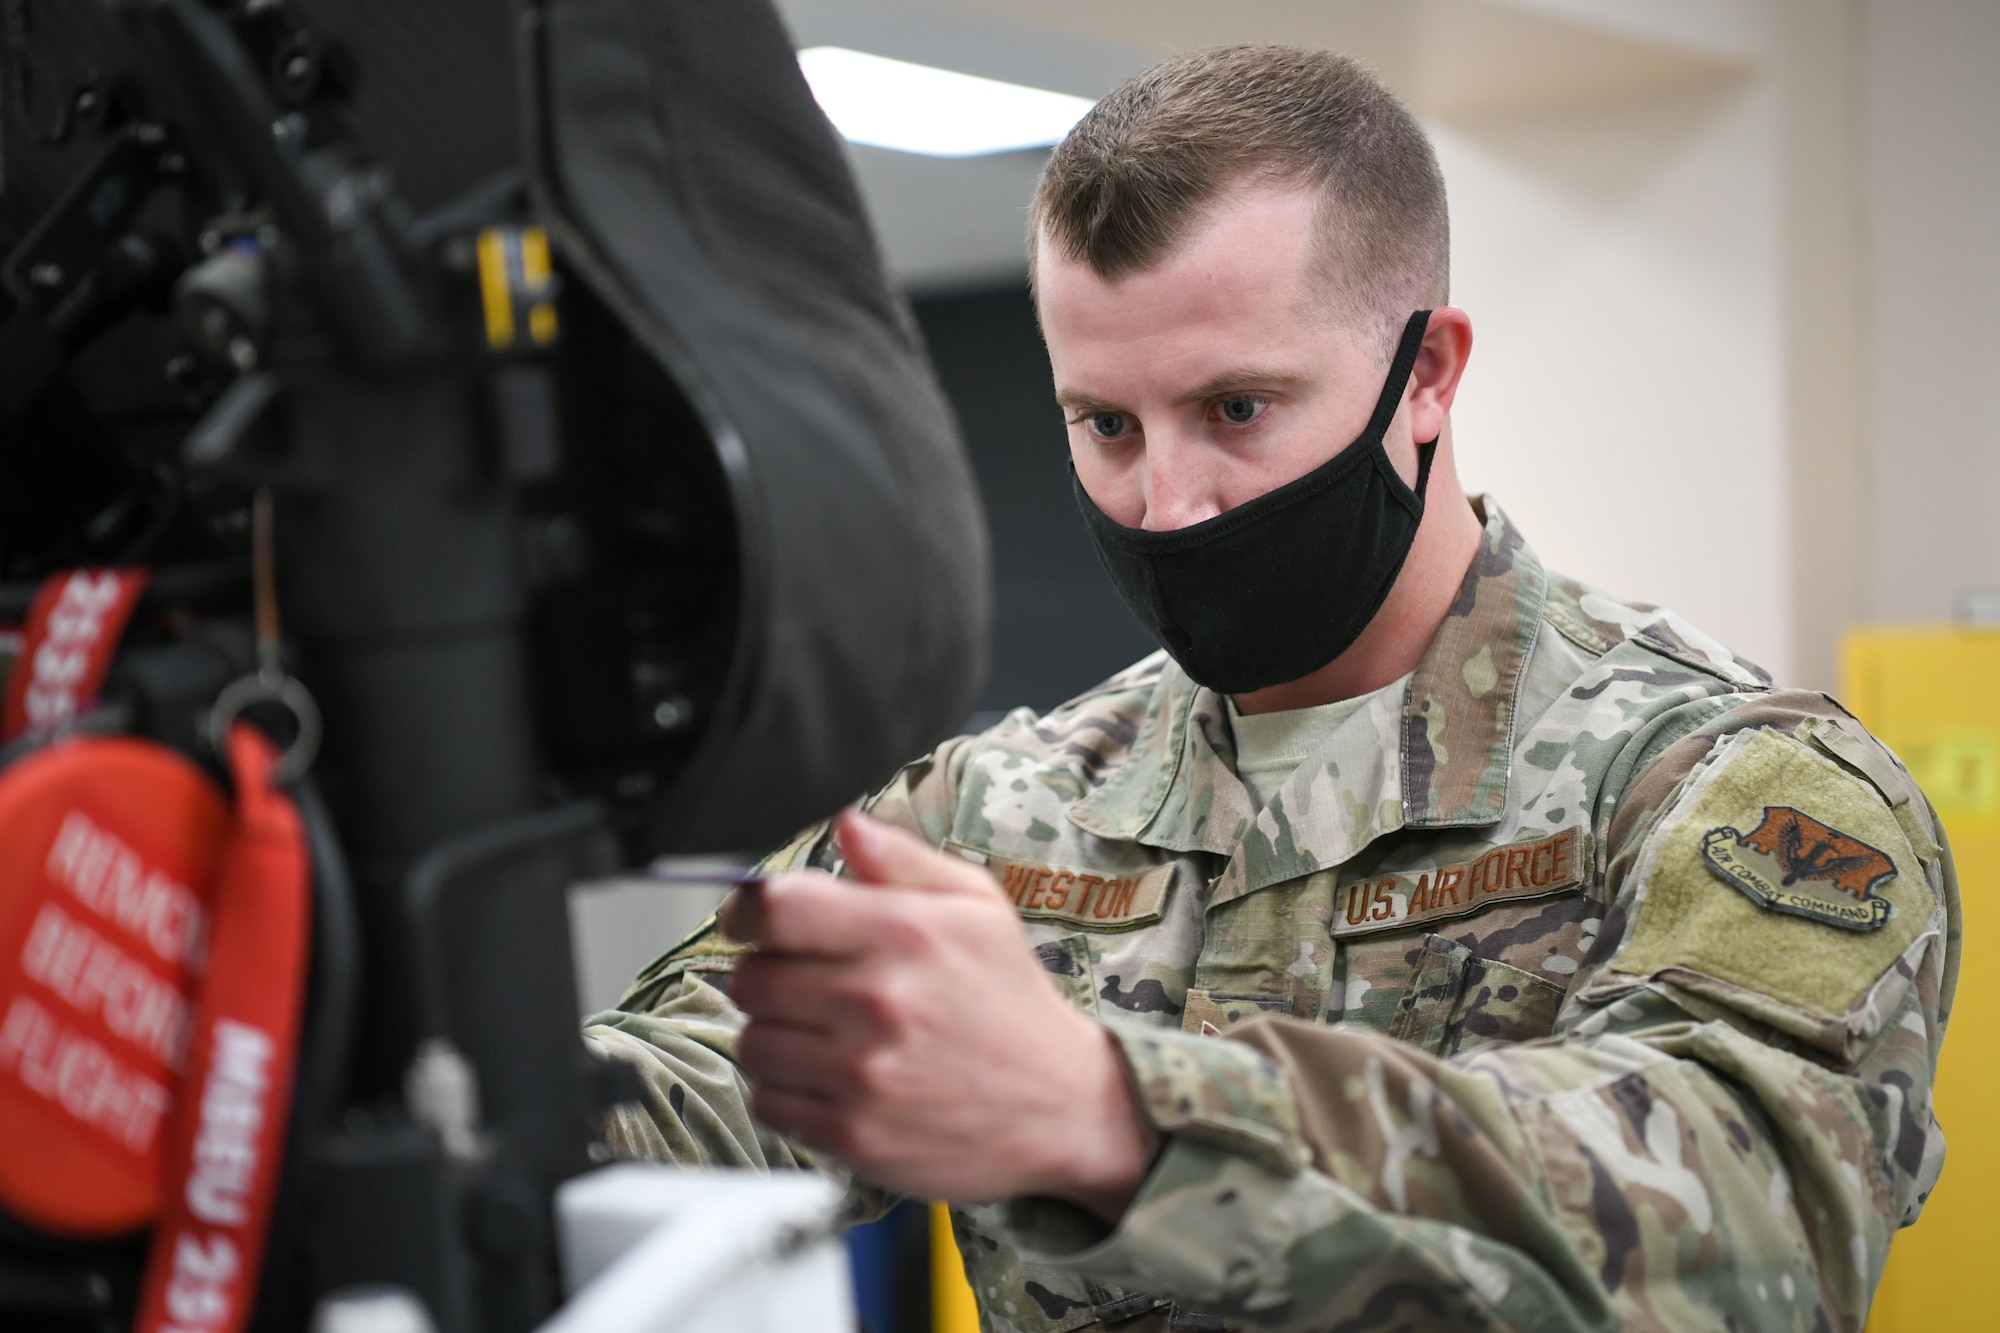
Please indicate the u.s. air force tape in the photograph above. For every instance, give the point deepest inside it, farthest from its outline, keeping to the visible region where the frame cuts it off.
(1404, 898)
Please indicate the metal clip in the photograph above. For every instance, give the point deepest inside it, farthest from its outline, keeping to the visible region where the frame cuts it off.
(268, 684)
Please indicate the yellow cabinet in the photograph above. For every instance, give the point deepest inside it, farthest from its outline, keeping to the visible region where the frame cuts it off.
(1933, 696)
(953, 1309)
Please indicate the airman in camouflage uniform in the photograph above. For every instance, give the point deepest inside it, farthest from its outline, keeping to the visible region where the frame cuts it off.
(1576, 978)
(1585, 981)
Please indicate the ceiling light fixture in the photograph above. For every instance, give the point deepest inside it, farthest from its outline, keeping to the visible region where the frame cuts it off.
(938, 112)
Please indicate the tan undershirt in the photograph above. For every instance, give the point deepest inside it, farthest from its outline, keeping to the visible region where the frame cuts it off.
(1271, 746)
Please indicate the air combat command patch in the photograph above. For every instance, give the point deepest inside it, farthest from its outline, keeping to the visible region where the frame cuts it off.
(1793, 863)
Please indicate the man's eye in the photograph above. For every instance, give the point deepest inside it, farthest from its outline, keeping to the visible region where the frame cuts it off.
(1106, 425)
(1240, 410)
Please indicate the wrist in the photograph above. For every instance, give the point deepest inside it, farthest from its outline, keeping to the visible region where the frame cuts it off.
(1109, 1157)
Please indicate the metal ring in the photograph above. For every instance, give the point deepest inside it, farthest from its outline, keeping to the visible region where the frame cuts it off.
(246, 692)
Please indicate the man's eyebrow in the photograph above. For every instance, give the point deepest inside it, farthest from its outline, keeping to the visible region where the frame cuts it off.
(1073, 401)
(1229, 381)
(1240, 378)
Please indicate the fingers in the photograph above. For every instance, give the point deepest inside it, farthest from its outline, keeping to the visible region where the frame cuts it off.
(828, 995)
(793, 1059)
(827, 1098)
(810, 912)
(879, 853)
(802, 1116)
(804, 912)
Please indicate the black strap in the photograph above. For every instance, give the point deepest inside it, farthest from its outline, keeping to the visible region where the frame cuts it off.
(1399, 374)
(1425, 453)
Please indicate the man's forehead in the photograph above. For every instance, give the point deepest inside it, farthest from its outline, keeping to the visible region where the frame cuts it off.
(1253, 242)
(1235, 302)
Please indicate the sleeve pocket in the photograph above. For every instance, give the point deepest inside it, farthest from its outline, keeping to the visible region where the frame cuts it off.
(1208, 1012)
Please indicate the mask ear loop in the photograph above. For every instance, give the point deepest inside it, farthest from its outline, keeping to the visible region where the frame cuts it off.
(1426, 452)
(1400, 370)
(1408, 349)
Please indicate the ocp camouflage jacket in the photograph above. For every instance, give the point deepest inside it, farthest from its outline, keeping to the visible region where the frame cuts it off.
(1594, 983)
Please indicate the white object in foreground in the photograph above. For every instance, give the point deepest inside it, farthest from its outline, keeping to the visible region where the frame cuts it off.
(647, 1249)
(937, 112)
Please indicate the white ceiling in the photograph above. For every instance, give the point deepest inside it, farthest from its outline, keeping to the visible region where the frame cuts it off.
(951, 223)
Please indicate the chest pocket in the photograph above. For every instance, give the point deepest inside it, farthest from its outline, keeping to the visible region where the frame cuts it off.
(1067, 961)
(1459, 1002)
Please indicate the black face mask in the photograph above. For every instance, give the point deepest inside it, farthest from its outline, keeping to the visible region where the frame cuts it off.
(1278, 587)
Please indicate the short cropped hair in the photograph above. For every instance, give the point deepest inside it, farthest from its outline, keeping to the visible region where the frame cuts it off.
(1141, 167)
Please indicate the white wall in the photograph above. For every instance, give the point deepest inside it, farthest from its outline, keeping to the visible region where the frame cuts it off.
(1926, 117)
(1624, 399)
(1892, 179)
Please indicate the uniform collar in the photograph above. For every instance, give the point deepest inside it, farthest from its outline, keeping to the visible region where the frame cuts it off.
(1449, 767)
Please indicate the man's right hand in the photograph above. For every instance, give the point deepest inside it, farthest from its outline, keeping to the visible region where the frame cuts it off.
(900, 1022)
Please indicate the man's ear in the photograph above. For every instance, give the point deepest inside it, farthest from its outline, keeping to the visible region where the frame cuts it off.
(1434, 382)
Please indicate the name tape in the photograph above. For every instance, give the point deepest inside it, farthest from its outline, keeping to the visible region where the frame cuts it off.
(1096, 900)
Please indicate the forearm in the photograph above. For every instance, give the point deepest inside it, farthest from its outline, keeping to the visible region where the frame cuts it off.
(1585, 1185)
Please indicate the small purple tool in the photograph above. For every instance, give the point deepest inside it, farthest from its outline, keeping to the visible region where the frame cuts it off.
(736, 876)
